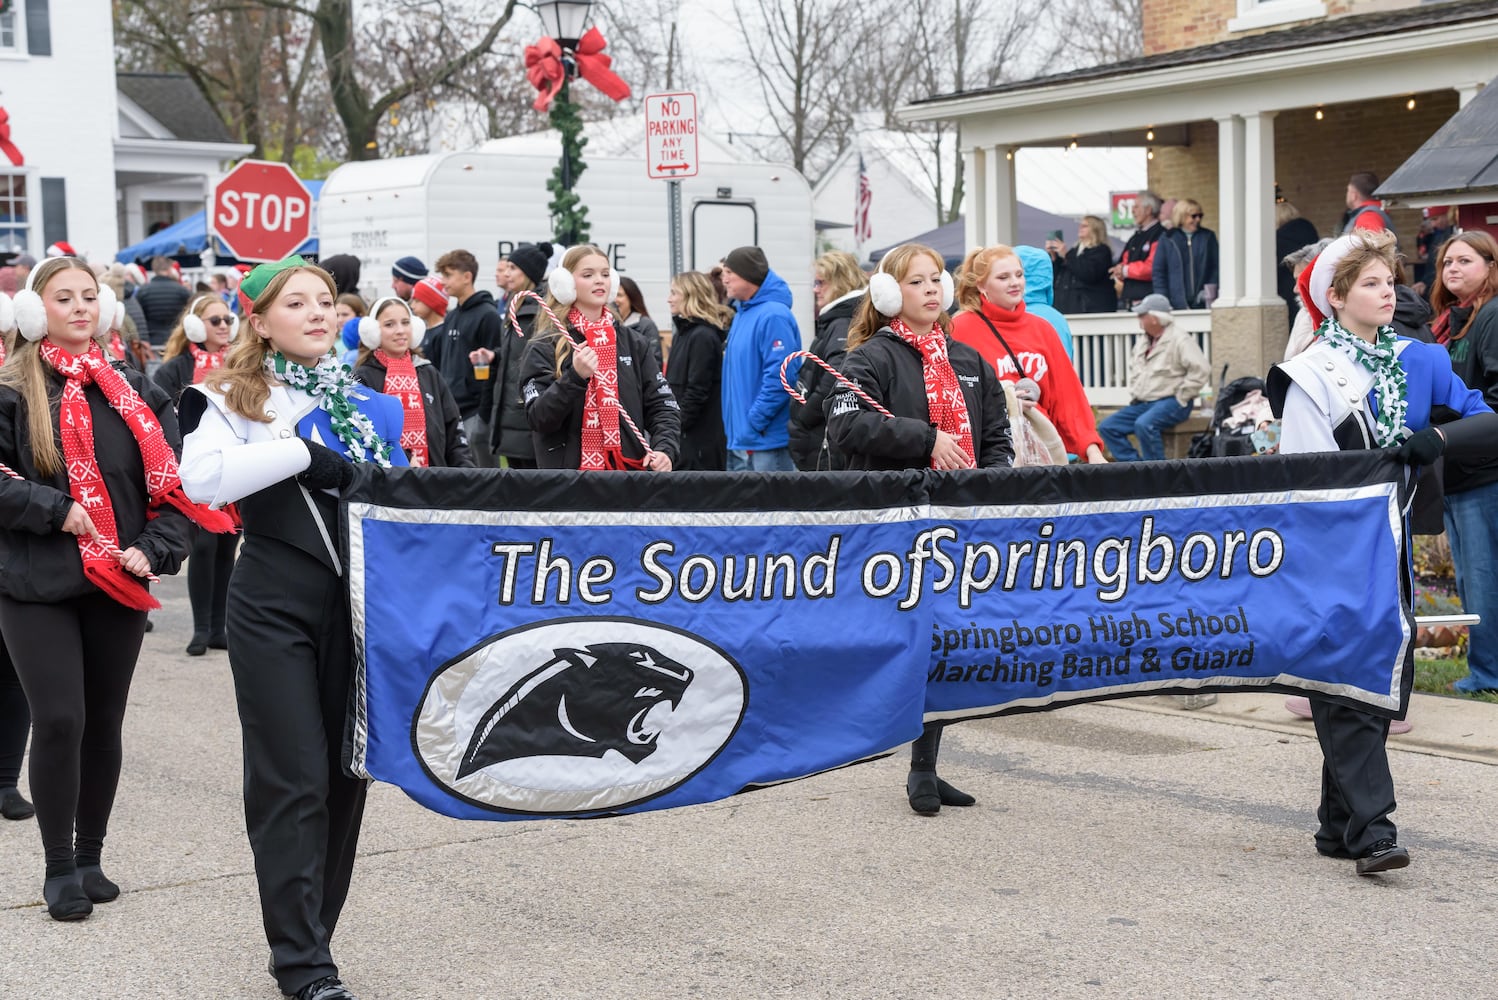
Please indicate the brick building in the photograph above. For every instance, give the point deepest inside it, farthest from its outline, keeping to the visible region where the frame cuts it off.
(1234, 99)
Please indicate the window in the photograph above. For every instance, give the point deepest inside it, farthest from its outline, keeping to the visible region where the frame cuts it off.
(1268, 13)
(15, 218)
(10, 36)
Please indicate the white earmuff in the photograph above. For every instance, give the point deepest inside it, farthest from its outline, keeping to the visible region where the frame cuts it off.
(192, 324)
(369, 326)
(948, 292)
(119, 317)
(31, 312)
(884, 293)
(234, 329)
(7, 314)
(418, 331)
(613, 285)
(562, 285)
(369, 332)
(108, 303)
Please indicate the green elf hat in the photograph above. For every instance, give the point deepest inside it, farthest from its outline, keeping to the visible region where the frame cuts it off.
(254, 283)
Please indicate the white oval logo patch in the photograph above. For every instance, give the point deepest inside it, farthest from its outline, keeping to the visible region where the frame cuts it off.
(578, 715)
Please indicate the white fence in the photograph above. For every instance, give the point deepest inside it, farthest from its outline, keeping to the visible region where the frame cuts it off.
(1101, 343)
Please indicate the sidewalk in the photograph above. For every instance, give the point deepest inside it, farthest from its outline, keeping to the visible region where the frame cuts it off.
(1461, 728)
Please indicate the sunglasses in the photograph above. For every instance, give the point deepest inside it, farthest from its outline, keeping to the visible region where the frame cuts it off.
(219, 321)
(1194, 215)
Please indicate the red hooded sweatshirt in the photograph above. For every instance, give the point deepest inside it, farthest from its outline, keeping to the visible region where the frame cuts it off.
(1034, 342)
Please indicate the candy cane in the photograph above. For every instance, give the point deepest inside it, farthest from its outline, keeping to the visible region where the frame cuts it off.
(831, 371)
(515, 300)
(113, 549)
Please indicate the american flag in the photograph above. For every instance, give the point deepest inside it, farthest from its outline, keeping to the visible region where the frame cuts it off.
(863, 229)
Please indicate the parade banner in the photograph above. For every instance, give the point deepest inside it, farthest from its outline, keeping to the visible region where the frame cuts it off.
(563, 644)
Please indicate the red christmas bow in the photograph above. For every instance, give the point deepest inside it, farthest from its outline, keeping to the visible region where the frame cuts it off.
(10, 150)
(544, 69)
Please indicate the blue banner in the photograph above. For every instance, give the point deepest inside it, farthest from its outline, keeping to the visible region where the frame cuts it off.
(562, 644)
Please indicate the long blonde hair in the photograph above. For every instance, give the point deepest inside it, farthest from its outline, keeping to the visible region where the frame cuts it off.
(1097, 232)
(974, 269)
(699, 301)
(26, 372)
(242, 378)
(840, 273)
(544, 326)
(177, 343)
(868, 320)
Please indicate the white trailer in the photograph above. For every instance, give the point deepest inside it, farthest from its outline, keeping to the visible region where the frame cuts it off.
(488, 203)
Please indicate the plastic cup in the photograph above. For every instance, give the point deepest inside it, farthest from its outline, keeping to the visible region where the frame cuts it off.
(481, 372)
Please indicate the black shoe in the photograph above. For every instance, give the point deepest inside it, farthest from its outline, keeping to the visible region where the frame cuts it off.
(150, 625)
(951, 796)
(96, 885)
(1386, 856)
(218, 640)
(13, 804)
(1334, 852)
(924, 793)
(65, 898)
(198, 646)
(326, 988)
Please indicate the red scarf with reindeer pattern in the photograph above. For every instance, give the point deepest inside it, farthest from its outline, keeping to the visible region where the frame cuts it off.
(944, 402)
(602, 447)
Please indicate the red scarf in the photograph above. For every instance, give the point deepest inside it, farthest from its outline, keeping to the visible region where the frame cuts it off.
(944, 402)
(203, 362)
(1440, 327)
(601, 443)
(400, 382)
(86, 482)
(116, 345)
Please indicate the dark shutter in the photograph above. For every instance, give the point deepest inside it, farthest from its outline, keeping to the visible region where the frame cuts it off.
(38, 29)
(54, 210)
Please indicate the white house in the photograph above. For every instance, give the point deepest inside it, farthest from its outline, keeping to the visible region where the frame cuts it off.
(99, 164)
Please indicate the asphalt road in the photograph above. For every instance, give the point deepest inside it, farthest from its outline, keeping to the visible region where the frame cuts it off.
(1113, 853)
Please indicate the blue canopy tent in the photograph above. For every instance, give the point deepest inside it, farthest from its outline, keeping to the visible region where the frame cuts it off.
(189, 238)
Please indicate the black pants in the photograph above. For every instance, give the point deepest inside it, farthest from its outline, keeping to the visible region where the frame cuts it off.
(208, 574)
(15, 722)
(291, 651)
(75, 659)
(1357, 790)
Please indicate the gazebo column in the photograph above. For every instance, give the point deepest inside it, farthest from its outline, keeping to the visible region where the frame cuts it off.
(992, 209)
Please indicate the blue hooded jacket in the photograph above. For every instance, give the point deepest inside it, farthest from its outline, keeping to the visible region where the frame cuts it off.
(755, 406)
(1039, 277)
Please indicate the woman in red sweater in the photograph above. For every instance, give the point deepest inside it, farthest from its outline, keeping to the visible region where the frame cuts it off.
(993, 320)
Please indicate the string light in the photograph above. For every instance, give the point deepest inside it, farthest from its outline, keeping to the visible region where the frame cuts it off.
(1320, 114)
(1149, 154)
(1073, 144)
(1009, 155)
(1410, 104)
(1149, 136)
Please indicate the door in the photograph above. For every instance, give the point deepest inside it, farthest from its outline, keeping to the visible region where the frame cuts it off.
(718, 226)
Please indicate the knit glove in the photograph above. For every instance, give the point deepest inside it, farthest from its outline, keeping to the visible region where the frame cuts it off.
(328, 469)
(1421, 447)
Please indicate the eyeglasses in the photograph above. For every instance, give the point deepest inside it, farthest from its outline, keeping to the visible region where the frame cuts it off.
(219, 321)
(817, 283)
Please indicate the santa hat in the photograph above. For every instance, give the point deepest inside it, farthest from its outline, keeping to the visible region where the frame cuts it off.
(61, 249)
(1315, 282)
(135, 274)
(430, 292)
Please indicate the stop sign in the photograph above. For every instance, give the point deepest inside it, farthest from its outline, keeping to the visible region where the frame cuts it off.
(261, 211)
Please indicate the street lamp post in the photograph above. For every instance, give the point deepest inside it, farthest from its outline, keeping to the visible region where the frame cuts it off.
(566, 21)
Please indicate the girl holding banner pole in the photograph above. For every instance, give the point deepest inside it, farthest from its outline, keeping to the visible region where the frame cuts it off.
(276, 433)
(1361, 386)
(594, 395)
(944, 409)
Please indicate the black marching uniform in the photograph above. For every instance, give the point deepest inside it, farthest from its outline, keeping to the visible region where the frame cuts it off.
(447, 445)
(554, 406)
(73, 647)
(291, 652)
(891, 371)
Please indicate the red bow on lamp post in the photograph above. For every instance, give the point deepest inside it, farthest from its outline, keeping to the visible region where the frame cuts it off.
(546, 68)
(8, 147)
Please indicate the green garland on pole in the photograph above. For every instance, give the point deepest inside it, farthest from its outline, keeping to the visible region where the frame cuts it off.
(569, 216)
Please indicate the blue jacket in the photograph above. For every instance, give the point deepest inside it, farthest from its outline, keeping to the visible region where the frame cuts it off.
(1185, 265)
(1039, 275)
(755, 405)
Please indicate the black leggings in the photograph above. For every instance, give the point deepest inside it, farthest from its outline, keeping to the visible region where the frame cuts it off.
(208, 581)
(15, 722)
(75, 659)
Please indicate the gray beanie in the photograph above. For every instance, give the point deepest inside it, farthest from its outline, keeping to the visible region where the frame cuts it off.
(748, 263)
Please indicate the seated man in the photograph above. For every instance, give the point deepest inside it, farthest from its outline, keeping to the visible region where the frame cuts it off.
(1166, 372)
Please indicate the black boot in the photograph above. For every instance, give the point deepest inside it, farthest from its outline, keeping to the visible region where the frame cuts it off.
(199, 644)
(218, 640)
(96, 885)
(921, 788)
(65, 898)
(951, 796)
(13, 804)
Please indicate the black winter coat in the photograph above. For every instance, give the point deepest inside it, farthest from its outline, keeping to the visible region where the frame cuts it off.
(808, 425)
(175, 375)
(695, 376)
(447, 445)
(889, 370)
(38, 562)
(554, 406)
(473, 323)
(509, 431)
(1412, 315)
(1474, 358)
(1083, 284)
(1289, 238)
(162, 300)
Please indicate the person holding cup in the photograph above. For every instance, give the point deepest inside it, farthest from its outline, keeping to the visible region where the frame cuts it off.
(473, 324)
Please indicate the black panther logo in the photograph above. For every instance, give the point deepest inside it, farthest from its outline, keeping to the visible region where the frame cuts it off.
(581, 703)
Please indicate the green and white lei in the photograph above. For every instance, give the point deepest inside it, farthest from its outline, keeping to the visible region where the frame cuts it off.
(330, 383)
(1389, 380)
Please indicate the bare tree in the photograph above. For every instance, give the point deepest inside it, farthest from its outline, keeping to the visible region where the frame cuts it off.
(1097, 32)
(644, 43)
(803, 54)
